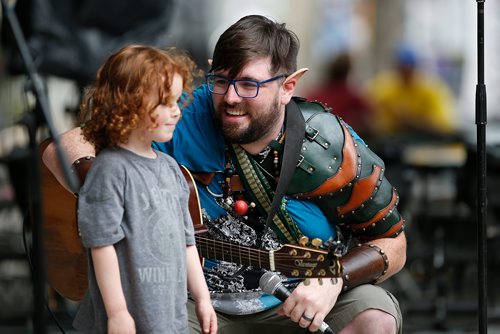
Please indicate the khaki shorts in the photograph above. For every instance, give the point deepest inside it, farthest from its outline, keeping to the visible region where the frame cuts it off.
(348, 305)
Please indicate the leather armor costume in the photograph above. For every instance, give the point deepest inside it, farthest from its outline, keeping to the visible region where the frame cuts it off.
(344, 177)
(341, 175)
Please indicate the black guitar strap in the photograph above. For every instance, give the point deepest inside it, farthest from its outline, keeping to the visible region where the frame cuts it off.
(295, 129)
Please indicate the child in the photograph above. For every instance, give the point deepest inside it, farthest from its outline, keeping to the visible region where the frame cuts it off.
(133, 207)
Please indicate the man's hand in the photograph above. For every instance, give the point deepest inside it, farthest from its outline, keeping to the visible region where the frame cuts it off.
(311, 301)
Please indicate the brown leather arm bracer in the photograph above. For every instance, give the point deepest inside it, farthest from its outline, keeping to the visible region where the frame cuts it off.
(364, 263)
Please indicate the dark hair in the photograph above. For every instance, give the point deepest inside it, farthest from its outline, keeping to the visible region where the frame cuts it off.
(339, 67)
(256, 36)
(115, 104)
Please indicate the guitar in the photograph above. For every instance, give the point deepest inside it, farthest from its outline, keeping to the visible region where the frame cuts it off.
(65, 257)
(66, 261)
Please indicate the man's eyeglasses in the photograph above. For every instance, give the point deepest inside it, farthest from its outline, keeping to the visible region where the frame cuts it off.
(219, 84)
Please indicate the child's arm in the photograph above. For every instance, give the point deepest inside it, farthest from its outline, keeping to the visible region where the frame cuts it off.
(199, 291)
(108, 279)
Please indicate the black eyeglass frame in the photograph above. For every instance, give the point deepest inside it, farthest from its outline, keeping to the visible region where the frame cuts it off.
(234, 81)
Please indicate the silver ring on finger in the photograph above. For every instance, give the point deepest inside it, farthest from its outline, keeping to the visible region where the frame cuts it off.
(307, 318)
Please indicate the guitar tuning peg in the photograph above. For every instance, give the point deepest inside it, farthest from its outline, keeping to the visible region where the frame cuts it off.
(303, 241)
(316, 242)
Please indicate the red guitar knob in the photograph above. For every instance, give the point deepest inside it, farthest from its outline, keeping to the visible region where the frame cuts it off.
(240, 207)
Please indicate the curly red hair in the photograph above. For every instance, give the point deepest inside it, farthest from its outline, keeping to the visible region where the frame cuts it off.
(116, 103)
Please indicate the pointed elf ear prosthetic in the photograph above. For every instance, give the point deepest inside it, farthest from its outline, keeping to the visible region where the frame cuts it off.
(290, 83)
(295, 76)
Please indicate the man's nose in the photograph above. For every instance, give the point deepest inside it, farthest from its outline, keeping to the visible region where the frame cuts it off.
(231, 96)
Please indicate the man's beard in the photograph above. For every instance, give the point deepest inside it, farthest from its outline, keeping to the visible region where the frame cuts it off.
(261, 123)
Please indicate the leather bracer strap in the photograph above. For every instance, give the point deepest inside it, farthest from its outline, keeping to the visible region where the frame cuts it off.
(365, 263)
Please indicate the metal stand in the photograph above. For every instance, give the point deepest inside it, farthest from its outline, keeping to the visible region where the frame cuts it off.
(481, 121)
(32, 120)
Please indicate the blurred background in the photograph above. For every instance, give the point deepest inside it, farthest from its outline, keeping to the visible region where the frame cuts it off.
(401, 72)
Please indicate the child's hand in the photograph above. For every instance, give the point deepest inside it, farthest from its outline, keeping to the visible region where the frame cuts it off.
(121, 323)
(206, 316)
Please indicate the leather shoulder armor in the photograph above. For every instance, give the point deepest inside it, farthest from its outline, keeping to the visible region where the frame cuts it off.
(344, 177)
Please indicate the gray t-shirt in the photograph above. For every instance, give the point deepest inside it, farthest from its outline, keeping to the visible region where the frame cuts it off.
(140, 206)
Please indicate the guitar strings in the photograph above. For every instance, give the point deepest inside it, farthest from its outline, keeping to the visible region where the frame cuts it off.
(225, 251)
(224, 245)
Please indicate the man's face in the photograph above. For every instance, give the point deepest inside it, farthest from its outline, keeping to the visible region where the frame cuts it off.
(245, 120)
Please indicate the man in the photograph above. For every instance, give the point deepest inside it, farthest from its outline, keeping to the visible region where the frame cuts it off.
(409, 101)
(242, 112)
(240, 124)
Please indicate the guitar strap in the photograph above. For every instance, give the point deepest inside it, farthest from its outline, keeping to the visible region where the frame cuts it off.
(295, 129)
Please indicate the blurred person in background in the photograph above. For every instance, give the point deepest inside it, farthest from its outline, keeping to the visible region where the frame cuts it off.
(413, 108)
(345, 100)
(410, 102)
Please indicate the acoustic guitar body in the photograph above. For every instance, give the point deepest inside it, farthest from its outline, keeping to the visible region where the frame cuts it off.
(65, 257)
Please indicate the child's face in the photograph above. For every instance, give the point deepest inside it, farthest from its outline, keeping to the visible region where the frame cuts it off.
(167, 115)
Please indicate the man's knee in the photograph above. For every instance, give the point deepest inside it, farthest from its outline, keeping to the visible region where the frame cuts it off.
(372, 321)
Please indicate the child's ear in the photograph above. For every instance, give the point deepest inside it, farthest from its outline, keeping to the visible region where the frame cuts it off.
(209, 61)
(290, 84)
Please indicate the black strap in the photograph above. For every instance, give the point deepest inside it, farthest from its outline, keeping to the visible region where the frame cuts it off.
(295, 129)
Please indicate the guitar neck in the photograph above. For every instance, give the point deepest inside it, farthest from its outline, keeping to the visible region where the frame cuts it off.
(225, 251)
(291, 260)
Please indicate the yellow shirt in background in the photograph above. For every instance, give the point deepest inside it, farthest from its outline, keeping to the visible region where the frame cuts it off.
(424, 105)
